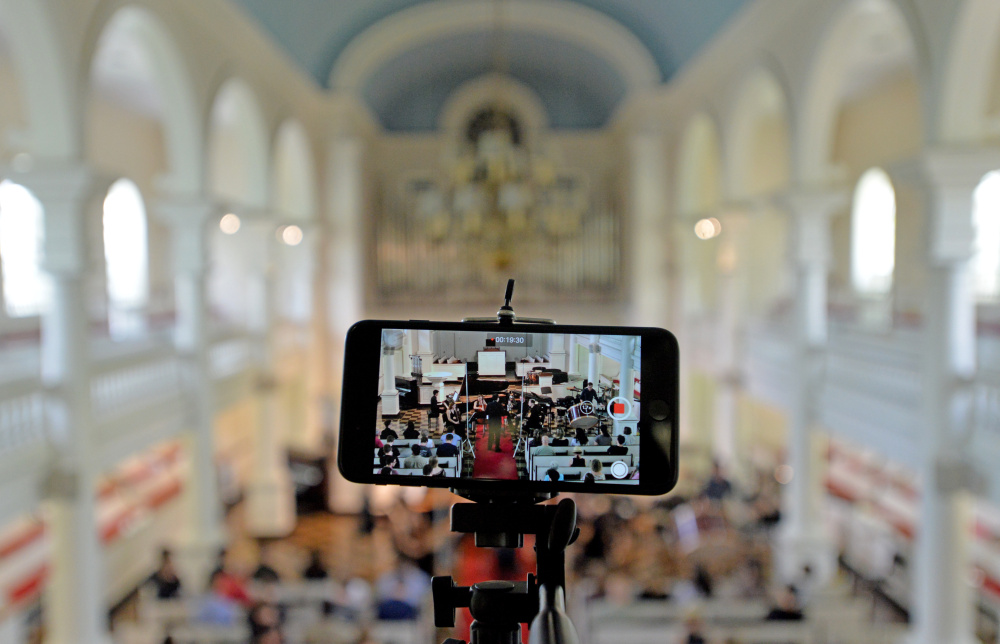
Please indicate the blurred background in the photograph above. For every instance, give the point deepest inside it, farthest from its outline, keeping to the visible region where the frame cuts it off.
(198, 198)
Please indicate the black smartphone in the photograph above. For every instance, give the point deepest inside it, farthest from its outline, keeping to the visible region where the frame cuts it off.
(522, 408)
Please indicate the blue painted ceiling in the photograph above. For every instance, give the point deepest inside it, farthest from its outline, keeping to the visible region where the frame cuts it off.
(578, 89)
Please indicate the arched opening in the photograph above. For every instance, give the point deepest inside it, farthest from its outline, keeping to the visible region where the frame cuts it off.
(970, 97)
(986, 219)
(758, 156)
(141, 122)
(873, 234)
(238, 179)
(294, 197)
(21, 235)
(126, 258)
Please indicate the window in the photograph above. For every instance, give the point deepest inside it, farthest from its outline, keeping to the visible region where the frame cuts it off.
(986, 220)
(873, 234)
(21, 235)
(125, 255)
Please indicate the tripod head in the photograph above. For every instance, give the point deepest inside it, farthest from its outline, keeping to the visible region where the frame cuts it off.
(500, 607)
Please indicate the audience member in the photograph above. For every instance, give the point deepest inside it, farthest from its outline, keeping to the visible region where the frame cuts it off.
(580, 438)
(168, 585)
(388, 431)
(263, 618)
(589, 478)
(432, 468)
(388, 469)
(630, 439)
(387, 455)
(315, 571)
(597, 469)
(578, 460)
(545, 449)
(411, 431)
(620, 449)
(560, 440)
(552, 474)
(603, 438)
(718, 486)
(414, 461)
(787, 607)
(426, 444)
(218, 607)
(447, 449)
(400, 593)
(265, 572)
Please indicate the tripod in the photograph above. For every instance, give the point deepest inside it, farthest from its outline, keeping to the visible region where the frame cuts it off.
(500, 607)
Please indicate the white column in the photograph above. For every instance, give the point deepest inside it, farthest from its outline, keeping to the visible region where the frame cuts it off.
(649, 248)
(75, 608)
(390, 395)
(627, 387)
(594, 361)
(346, 211)
(270, 495)
(424, 347)
(573, 360)
(190, 221)
(803, 538)
(942, 606)
(728, 338)
(319, 380)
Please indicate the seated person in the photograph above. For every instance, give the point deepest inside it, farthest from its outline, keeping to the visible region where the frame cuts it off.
(390, 445)
(388, 431)
(597, 469)
(604, 438)
(165, 580)
(552, 474)
(560, 440)
(787, 608)
(580, 438)
(378, 439)
(388, 469)
(218, 607)
(630, 438)
(447, 448)
(414, 461)
(578, 458)
(411, 431)
(589, 478)
(619, 449)
(426, 444)
(453, 438)
(545, 449)
(387, 454)
(432, 468)
(263, 619)
(315, 571)
(265, 572)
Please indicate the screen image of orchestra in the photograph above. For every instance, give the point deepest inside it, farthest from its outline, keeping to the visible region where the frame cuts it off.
(530, 406)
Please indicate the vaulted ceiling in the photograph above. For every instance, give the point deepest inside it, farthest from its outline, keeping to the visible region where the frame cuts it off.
(579, 85)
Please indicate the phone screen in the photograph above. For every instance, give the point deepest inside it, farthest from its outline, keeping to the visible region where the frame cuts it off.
(509, 405)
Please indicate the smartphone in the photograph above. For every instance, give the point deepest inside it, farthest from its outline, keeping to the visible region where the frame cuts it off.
(522, 408)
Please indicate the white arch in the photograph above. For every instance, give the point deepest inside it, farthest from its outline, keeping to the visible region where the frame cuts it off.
(472, 96)
(238, 146)
(699, 165)
(410, 28)
(760, 97)
(834, 62)
(293, 188)
(968, 72)
(52, 108)
(181, 118)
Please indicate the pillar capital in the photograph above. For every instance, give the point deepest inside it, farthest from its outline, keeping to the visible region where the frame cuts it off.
(811, 211)
(190, 220)
(948, 177)
(64, 190)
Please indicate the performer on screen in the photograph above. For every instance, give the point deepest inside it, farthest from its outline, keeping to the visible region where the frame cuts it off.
(494, 415)
(434, 413)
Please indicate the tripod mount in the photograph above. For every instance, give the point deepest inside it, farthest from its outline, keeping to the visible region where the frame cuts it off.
(500, 607)
(500, 520)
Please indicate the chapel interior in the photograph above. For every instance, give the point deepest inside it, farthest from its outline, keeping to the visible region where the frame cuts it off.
(199, 198)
